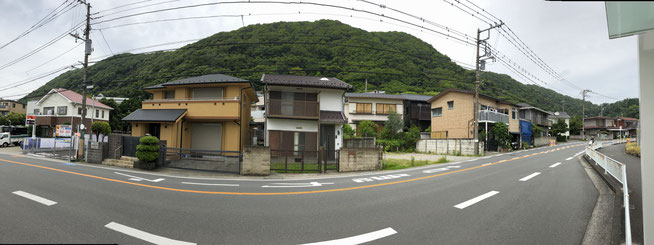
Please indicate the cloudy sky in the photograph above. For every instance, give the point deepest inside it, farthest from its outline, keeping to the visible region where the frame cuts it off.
(570, 37)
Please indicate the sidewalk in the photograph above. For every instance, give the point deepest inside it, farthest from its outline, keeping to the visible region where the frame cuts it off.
(635, 189)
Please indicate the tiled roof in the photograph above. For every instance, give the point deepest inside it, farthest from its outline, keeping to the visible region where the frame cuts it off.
(628, 118)
(154, 115)
(304, 81)
(77, 98)
(561, 114)
(332, 116)
(416, 97)
(374, 95)
(204, 79)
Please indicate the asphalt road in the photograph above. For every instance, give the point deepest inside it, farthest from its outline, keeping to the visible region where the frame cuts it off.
(516, 198)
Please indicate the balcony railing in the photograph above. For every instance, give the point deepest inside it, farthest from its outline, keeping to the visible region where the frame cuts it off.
(190, 100)
(286, 108)
(492, 116)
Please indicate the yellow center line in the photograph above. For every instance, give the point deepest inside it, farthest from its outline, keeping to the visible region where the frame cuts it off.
(272, 193)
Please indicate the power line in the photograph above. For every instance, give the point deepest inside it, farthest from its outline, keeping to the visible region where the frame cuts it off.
(44, 63)
(45, 20)
(105, 41)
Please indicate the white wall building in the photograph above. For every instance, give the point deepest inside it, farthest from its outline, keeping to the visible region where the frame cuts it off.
(373, 107)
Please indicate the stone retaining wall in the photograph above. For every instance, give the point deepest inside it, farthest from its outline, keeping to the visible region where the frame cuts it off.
(256, 160)
(359, 159)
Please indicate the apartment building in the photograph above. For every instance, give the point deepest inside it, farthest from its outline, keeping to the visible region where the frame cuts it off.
(209, 112)
(9, 106)
(303, 113)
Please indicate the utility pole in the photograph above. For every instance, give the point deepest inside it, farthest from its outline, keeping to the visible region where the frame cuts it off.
(583, 113)
(87, 51)
(480, 65)
(563, 105)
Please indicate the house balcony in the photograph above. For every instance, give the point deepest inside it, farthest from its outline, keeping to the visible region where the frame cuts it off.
(492, 116)
(293, 109)
(211, 109)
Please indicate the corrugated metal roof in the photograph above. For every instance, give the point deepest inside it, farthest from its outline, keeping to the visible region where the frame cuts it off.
(304, 81)
(374, 95)
(155, 115)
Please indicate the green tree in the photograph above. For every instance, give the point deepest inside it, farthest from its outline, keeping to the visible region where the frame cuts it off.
(536, 131)
(559, 127)
(502, 135)
(392, 126)
(575, 125)
(367, 129)
(100, 127)
(348, 132)
(17, 119)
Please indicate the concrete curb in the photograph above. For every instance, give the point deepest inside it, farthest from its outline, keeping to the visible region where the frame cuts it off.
(600, 225)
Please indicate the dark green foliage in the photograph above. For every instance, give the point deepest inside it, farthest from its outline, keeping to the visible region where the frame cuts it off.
(147, 152)
(17, 119)
(392, 126)
(392, 61)
(502, 135)
(348, 132)
(558, 128)
(536, 130)
(100, 127)
(120, 111)
(575, 125)
(367, 129)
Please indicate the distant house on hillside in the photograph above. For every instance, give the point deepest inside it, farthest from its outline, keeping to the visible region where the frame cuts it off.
(62, 106)
(118, 100)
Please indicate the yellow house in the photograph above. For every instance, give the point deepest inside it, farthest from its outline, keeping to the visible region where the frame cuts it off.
(209, 112)
(452, 114)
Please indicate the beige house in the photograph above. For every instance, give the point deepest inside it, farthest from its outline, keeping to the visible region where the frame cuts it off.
(373, 107)
(452, 114)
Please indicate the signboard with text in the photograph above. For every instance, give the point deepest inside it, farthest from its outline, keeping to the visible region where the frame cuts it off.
(63, 130)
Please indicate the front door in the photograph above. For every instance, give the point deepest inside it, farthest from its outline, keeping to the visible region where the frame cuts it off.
(327, 140)
(206, 136)
(155, 130)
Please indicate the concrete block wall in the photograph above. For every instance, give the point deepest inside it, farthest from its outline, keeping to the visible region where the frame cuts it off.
(448, 146)
(359, 159)
(543, 141)
(256, 160)
(99, 154)
(115, 142)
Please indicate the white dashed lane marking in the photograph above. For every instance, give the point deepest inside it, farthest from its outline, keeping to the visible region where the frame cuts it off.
(148, 237)
(476, 200)
(554, 165)
(383, 177)
(530, 176)
(35, 198)
(363, 238)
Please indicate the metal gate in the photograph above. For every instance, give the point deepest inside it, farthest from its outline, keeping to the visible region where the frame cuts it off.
(129, 145)
(207, 160)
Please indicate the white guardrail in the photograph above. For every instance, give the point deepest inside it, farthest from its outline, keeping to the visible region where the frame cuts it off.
(616, 169)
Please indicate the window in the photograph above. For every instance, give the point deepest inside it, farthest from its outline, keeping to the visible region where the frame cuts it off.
(97, 113)
(102, 114)
(36, 111)
(48, 110)
(484, 107)
(364, 108)
(13, 105)
(62, 110)
(23, 106)
(513, 114)
(207, 93)
(450, 105)
(169, 95)
(79, 110)
(437, 112)
(385, 108)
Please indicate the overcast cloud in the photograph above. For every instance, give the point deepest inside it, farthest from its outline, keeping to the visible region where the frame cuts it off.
(571, 37)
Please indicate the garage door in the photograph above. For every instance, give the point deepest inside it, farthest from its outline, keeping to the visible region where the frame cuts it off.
(206, 136)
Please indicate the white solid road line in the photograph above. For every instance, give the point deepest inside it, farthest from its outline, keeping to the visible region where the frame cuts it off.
(291, 185)
(144, 235)
(569, 158)
(530, 176)
(136, 178)
(35, 198)
(554, 165)
(476, 200)
(363, 238)
(194, 183)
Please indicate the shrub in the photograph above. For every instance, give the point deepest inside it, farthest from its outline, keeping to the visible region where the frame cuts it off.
(348, 132)
(100, 127)
(632, 148)
(367, 129)
(147, 152)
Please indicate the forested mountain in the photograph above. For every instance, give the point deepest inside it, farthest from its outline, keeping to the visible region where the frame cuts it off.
(391, 61)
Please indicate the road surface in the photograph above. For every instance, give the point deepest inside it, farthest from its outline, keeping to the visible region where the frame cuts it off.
(539, 196)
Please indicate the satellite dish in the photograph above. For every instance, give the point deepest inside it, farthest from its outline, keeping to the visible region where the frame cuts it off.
(324, 79)
(556, 113)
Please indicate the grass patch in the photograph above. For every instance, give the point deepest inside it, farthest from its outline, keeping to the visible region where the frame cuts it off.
(633, 148)
(392, 164)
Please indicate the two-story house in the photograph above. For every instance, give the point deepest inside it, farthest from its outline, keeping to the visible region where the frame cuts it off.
(303, 113)
(417, 110)
(554, 118)
(452, 115)
(209, 112)
(599, 125)
(11, 106)
(62, 106)
(537, 116)
(373, 107)
(627, 126)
